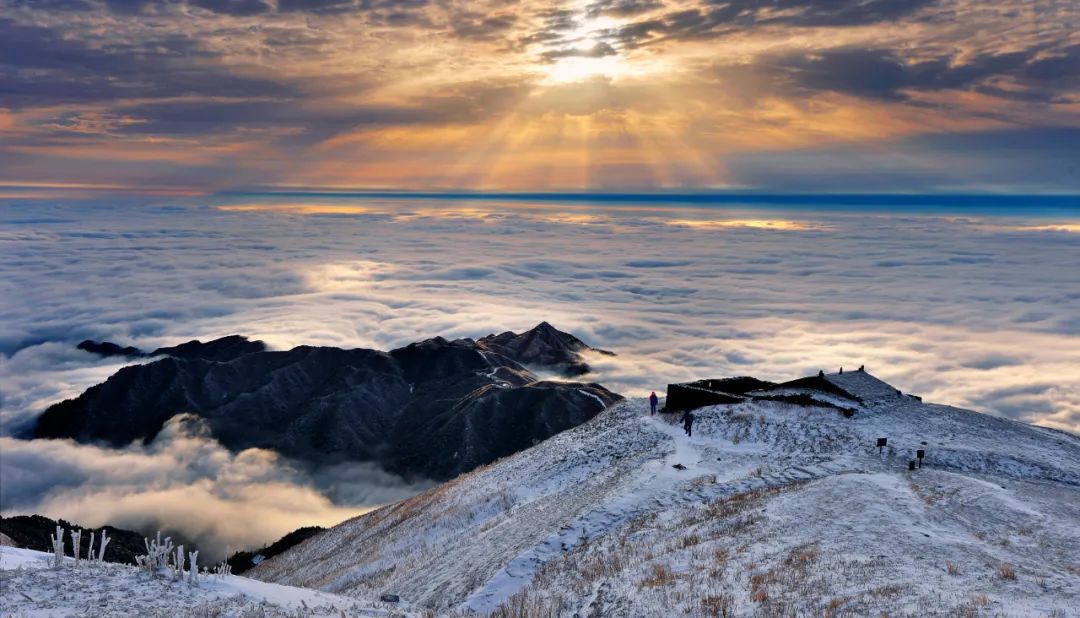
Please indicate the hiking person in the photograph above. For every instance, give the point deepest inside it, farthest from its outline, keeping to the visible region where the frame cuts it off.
(820, 373)
(862, 367)
(841, 371)
(653, 400)
(688, 423)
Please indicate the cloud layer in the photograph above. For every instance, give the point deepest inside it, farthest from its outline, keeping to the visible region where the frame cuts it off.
(975, 310)
(186, 483)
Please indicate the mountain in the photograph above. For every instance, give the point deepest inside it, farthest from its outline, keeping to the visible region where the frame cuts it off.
(243, 561)
(770, 508)
(109, 349)
(544, 346)
(34, 532)
(223, 349)
(432, 409)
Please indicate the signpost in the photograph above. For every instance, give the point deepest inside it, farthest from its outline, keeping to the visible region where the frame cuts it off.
(920, 454)
(881, 442)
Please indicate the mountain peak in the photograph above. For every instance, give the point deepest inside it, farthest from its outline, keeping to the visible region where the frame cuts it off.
(543, 345)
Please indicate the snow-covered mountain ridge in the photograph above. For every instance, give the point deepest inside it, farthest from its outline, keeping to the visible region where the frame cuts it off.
(775, 509)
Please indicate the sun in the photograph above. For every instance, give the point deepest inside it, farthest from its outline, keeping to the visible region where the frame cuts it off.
(592, 56)
(567, 70)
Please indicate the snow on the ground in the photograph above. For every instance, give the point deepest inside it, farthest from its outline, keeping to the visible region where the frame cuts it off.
(30, 587)
(778, 509)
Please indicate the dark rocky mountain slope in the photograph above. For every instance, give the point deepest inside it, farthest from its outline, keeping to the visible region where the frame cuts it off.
(543, 346)
(223, 349)
(433, 409)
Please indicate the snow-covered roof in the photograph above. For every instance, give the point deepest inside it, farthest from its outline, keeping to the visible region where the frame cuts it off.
(863, 385)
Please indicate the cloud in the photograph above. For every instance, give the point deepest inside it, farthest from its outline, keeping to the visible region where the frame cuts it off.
(245, 8)
(472, 25)
(885, 74)
(187, 484)
(715, 20)
(1034, 159)
(954, 303)
(599, 50)
(622, 8)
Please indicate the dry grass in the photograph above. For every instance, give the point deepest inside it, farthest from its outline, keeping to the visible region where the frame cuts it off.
(803, 556)
(661, 577)
(952, 568)
(1007, 571)
(719, 605)
(832, 610)
(528, 604)
(688, 541)
(981, 600)
(760, 596)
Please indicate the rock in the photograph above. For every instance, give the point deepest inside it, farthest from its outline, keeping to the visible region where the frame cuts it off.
(389, 598)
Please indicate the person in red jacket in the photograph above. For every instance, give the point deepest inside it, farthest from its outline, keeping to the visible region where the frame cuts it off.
(653, 400)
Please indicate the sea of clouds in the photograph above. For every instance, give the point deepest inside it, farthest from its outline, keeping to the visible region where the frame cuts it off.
(974, 310)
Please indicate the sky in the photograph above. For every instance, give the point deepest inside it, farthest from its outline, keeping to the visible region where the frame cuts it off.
(959, 306)
(198, 96)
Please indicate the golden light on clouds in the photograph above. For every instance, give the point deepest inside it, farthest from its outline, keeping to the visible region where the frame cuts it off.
(570, 95)
(784, 225)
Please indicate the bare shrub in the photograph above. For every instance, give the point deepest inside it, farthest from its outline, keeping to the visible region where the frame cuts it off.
(1007, 571)
(981, 600)
(952, 568)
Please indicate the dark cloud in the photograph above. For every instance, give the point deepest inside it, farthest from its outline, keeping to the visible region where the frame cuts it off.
(55, 5)
(470, 25)
(599, 50)
(316, 6)
(241, 8)
(622, 8)
(716, 19)
(883, 74)
(39, 66)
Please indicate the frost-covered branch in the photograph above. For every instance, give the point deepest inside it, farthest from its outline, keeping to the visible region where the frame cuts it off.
(104, 543)
(76, 542)
(178, 564)
(223, 568)
(157, 555)
(193, 569)
(58, 548)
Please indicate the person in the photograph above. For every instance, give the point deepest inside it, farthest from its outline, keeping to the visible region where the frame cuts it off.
(820, 373)
(862, 367)
(688, 423)
(653, 400)
(841, 371)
